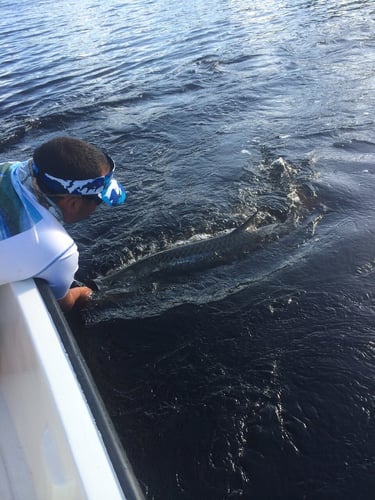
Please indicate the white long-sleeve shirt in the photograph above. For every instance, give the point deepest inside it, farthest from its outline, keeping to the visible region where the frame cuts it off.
(33, 243)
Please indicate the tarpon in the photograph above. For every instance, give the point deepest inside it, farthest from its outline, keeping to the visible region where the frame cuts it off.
(201, 254)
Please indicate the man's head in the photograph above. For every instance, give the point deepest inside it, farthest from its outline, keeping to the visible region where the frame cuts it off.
(77, 175)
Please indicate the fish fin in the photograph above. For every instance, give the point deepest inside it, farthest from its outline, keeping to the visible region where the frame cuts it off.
(94, 284)
(249, 223)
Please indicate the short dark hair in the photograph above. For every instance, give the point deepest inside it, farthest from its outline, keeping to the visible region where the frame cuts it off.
(70, 158)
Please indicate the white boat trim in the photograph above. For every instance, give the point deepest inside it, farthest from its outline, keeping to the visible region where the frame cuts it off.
(54, 412)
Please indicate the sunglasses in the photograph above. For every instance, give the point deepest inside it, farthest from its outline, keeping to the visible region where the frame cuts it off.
(92, 197)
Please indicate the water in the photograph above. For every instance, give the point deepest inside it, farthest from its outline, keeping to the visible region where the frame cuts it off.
(254, 379)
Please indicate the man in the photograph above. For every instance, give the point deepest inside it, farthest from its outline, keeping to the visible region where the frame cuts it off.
(64, 182)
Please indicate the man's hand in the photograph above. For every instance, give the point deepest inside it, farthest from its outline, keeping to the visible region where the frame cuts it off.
(78, 296)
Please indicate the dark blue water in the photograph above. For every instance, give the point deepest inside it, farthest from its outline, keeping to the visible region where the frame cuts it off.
(255, 379)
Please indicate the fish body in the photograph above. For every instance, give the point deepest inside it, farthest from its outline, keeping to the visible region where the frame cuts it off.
(201, 254)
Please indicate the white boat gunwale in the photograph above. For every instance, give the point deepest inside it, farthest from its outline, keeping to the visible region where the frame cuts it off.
(56, 412)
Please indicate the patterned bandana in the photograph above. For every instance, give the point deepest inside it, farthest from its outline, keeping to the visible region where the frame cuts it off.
(106, 188)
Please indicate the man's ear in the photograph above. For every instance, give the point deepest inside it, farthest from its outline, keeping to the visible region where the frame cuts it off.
(66, 202)
(69, 206)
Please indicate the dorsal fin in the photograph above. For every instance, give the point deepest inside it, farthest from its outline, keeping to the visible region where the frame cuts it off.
(250, 222)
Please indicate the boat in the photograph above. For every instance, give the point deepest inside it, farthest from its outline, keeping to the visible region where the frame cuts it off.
(57, 441)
